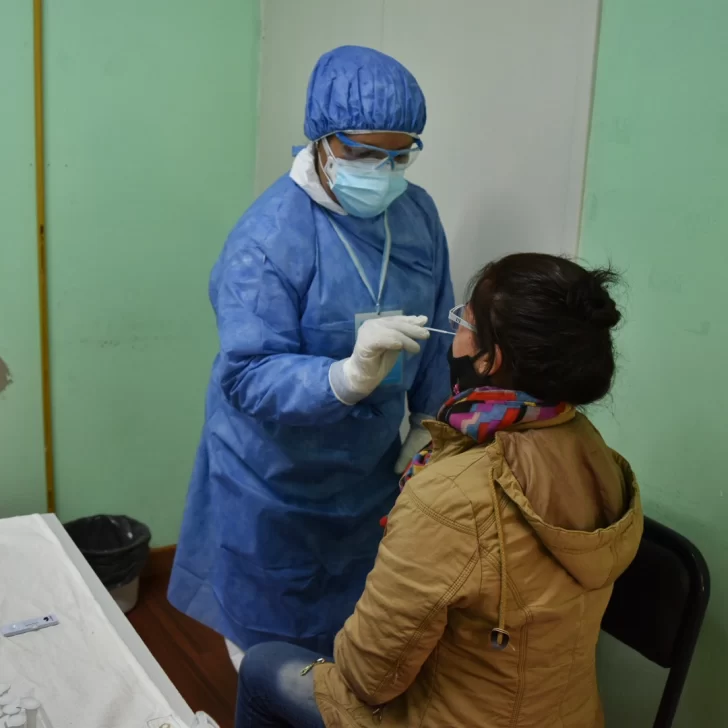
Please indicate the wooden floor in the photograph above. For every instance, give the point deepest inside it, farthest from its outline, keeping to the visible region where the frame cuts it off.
(194, 657)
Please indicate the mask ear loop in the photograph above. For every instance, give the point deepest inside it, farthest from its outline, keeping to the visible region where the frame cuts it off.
(484, 351)
(475, 358)
(329, 157)
(485, 378)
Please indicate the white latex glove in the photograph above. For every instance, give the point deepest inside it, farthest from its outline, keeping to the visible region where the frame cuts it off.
(417, 440)
(378, 344)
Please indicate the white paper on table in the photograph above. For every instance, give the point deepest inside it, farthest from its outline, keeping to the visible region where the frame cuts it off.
(81, 671)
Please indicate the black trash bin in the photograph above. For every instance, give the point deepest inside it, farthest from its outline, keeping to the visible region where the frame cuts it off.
(116, 547)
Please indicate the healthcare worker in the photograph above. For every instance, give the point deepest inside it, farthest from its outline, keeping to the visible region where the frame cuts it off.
(321, 294)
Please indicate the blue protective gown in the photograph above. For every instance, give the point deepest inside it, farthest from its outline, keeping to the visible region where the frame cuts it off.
(281, 525)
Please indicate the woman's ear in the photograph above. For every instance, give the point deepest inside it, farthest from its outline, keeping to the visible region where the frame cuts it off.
(483, 366)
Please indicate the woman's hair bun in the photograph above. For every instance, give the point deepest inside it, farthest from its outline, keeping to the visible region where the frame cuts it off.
(590, 300)
(551, 318)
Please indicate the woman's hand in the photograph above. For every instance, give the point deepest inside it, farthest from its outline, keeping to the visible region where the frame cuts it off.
(378, 344)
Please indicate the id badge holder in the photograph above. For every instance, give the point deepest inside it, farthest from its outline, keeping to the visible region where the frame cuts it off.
(396, 375)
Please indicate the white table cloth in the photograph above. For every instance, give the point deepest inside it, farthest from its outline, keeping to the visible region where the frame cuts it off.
(92, 670)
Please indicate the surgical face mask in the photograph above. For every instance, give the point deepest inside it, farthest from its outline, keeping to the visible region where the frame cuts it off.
(463, 374)
(364, 188)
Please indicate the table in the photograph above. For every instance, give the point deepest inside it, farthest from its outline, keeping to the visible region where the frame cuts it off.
(84, 655)
(120, 623)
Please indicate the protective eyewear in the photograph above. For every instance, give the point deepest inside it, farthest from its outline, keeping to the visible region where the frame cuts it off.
(456, 321)
(354, 151)
(456, 318)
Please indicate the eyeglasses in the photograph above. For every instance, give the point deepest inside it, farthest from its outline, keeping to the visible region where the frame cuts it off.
(456, 321)
(456, 318)
(354, 151)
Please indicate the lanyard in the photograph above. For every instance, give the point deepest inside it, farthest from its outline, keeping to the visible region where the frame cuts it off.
(357, 263)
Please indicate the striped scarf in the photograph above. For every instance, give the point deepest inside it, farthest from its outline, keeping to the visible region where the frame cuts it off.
(480, 413)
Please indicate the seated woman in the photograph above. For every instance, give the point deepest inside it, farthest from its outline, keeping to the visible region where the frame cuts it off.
(485, 602)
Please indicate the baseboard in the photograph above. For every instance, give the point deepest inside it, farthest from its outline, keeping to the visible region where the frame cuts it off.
(159, 563)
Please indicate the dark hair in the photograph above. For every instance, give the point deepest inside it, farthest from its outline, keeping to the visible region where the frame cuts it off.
(552, 320)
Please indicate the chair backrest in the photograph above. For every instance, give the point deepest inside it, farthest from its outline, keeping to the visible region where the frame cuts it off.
(658, 606)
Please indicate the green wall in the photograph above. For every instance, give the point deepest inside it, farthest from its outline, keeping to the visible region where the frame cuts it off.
(151, 115)
(656, 205)
(22, 488)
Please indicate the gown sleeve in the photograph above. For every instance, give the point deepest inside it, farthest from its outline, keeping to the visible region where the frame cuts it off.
(264, 372)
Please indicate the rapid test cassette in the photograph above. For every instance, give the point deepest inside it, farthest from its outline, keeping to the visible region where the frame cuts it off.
(29, 625)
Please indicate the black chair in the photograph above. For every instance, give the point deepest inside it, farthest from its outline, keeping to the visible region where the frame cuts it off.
(658, 606)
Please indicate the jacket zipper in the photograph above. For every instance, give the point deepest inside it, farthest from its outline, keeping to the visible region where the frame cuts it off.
(310, 667)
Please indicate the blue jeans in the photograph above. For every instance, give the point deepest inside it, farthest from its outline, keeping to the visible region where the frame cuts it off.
(272, 693)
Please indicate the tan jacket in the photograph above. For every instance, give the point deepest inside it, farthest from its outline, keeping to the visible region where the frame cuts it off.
(418, 649)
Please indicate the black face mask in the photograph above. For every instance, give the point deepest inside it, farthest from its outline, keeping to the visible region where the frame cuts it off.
(463, 374)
